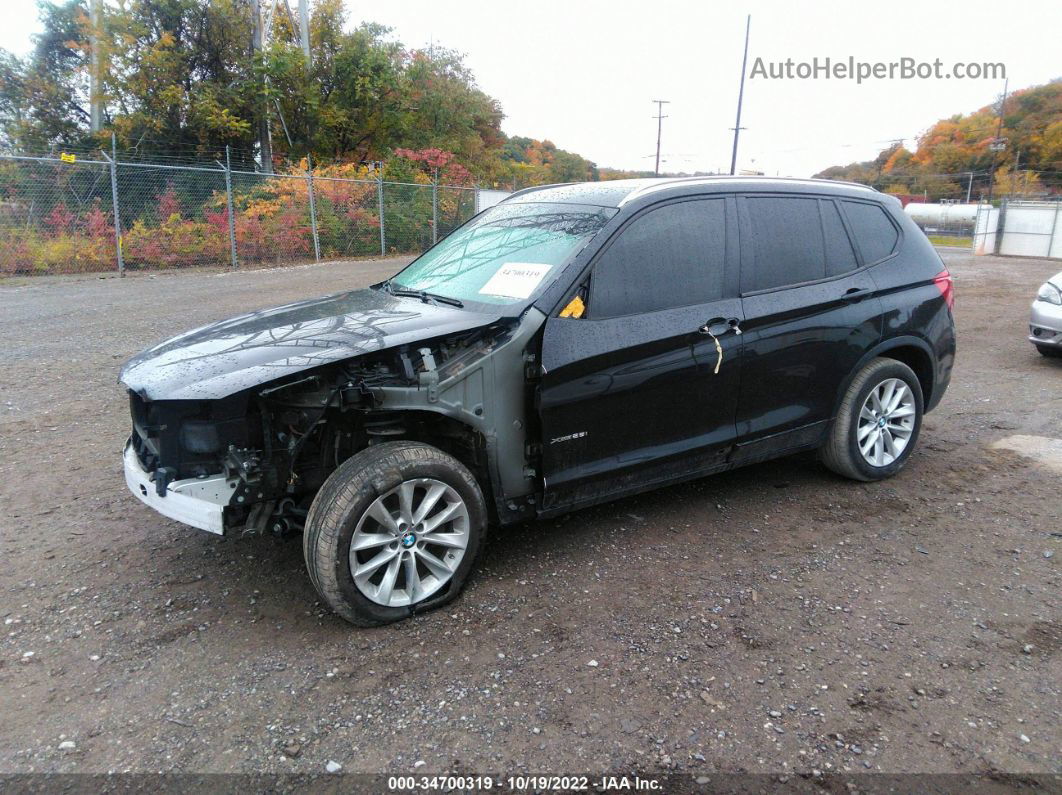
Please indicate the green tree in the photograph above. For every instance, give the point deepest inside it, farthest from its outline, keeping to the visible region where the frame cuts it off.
(180, 78)
(44, 99)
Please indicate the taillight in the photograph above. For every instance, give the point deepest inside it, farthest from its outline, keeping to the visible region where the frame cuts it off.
(946, 285)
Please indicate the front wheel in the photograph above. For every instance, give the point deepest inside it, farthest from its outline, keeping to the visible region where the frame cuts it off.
(395, 529)
(878, 422)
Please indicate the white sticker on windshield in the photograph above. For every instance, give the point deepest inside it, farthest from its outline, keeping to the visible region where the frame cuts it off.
(515, 279)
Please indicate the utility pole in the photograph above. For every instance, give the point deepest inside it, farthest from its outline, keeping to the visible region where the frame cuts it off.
(265, 143)
(95, 89)
(997, 144)
(304, 29)
(896, 144)
(659, 127)
(741, 96)
(1017, 169)
(112, 160)
(969, 188)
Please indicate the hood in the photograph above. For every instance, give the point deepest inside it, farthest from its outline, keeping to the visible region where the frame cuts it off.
(223, 358)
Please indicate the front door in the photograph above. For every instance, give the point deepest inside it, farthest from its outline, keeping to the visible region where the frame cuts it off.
(637, 393)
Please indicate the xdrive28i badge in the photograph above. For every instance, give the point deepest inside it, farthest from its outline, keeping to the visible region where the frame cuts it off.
(568, 438)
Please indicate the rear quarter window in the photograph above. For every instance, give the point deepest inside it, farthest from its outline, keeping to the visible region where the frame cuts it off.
(875, 234)
(840, 258)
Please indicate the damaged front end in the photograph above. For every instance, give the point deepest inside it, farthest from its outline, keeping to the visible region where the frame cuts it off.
(254, 460)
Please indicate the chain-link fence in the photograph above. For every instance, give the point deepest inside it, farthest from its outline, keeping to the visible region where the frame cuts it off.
(57, 215)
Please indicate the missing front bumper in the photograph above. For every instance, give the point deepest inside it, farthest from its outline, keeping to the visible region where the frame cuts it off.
(199, 502)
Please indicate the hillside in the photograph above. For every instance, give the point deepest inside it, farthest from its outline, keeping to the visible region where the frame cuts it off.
(954, 150)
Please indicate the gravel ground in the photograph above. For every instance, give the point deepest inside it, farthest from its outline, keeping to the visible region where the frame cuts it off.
(773, 619)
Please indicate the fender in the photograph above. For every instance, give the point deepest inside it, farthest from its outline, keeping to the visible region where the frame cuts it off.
(883, 347)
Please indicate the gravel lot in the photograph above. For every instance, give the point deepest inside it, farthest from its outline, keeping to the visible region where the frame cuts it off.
(773, 619)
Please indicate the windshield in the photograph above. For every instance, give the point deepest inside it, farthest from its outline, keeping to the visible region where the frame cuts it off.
(506, 254)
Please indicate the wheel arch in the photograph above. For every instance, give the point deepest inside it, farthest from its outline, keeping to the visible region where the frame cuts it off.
(441, 429)
(912, 351)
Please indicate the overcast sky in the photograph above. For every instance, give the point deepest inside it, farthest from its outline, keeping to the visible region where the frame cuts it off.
(583, 73)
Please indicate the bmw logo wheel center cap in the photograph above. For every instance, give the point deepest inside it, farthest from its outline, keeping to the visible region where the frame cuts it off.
(409, 539)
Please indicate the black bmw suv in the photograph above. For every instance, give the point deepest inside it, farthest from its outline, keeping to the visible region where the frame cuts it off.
(571, 345)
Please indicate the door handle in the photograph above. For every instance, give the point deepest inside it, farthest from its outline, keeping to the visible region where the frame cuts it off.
(854, 294)
(718, 326)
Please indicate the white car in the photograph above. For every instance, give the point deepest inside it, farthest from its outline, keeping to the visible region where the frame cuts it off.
(1045, 325)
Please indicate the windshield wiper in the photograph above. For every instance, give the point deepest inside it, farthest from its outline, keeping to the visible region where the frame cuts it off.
(423, 295)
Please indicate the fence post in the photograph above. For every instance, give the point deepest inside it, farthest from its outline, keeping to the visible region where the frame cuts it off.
(435, 207)
(380, 205)
(228, 200)
(313, 209)
(1001, 227)
(1054, 227)
(977, 225)
(113, 160)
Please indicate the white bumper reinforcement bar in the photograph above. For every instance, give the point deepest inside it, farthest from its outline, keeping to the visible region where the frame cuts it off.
(199, 502)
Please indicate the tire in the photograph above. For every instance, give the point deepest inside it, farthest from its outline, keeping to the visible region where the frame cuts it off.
(356, 500)
(1050, 353)
(842, 452)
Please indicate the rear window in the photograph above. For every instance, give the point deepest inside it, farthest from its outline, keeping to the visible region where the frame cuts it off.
(786, 241)
(874, 232)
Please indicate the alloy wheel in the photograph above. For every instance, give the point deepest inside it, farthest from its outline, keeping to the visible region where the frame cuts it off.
(409, 542)
(886, 422)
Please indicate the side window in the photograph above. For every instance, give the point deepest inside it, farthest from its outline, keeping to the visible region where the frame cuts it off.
(671, 256)
(839, 255)
(874, 232)
(786, 240)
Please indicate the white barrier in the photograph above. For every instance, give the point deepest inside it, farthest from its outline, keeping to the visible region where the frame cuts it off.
(1030, 229)
(487, 197)
(985, 226)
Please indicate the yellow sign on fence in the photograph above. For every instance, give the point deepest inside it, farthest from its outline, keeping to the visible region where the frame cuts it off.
(66, 158)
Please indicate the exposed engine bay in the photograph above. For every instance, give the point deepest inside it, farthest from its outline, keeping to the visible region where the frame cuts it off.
(274, 445)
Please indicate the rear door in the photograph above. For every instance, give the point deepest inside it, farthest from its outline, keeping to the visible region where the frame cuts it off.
(636, 393)
(811, 312)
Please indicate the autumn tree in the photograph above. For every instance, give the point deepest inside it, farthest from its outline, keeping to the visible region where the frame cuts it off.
(180, 80)
(953, 149)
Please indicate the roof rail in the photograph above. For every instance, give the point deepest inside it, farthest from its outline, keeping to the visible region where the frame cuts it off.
(650, 185)
(671, 182)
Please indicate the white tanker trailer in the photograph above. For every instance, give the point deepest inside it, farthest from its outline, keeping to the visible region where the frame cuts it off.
(943, 215)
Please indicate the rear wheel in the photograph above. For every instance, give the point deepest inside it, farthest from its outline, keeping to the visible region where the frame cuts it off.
(878, 423)
(395, 529)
